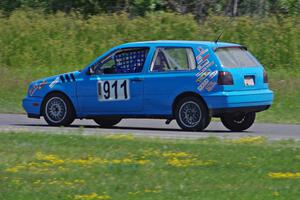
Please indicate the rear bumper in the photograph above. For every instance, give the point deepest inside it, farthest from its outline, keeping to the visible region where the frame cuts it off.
(219, 111)
(256, 100)
(32, 106)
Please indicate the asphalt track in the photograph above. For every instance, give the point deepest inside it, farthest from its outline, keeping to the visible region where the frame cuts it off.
(148, 128)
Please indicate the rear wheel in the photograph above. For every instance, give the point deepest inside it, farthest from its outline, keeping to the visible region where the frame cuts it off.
(238, 122)
(58, 110)
(107, 122)
(191, 114)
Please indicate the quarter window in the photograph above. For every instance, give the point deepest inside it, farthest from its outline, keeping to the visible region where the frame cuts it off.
(173, 59)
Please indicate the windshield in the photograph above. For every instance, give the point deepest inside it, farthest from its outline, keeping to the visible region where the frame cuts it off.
(233, 57)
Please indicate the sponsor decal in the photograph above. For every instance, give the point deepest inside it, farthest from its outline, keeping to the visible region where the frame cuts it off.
(203, 63)
(206, 66)
(210, 86)
(53, 83)
(210, 64)
(213, 74)
(205, 57)
(37, 87)
(199, 57)
(201, 71)
(199, 49)
(204, 75)
(203, 84)
(203, 52)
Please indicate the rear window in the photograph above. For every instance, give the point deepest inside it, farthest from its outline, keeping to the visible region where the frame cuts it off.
(233, 57)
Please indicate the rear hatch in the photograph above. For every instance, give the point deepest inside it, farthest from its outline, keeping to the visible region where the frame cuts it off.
(246, 72)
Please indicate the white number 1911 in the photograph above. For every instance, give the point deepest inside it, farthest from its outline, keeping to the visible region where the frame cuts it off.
(113, 90)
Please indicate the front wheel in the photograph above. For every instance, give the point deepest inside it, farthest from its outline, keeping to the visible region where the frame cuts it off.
(191, 114)
(238, 122)
(107, 122)
(58, 110)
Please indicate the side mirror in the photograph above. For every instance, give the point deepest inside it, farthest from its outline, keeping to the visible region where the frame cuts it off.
(90, 71)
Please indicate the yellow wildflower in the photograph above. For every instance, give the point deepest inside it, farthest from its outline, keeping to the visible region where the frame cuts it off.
(176, 154)
(151, 152)
(120, 137)
(276, 194)
(53, 159)
(284, 175)
(142, 162)
(91, 197)
(127, 161)
(15, 169)
(37, 182)
(89, 161)
(116, 161)
(189, 162)
(248, 140)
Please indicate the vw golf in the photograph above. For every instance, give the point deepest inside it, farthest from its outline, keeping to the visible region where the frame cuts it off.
(190, 81)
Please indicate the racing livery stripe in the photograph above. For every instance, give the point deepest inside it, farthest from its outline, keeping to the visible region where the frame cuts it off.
(204, 75)
(203, 63)
(62, 78)
(67, 78)
(203, 84)
(72, 77)
(203, 52)
(213, 74)
(210, 86)
(201, 71)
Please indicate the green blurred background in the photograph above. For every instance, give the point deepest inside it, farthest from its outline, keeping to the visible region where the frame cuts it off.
(41, 38)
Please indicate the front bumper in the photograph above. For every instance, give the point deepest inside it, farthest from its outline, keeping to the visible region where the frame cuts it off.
(32, 106)
(229, 101)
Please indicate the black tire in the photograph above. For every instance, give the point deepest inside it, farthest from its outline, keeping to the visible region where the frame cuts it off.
(58, 110)
(238, 122)
(191, 114)
(107, 122)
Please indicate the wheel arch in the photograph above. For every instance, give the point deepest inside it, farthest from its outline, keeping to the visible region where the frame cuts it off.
(187, 94)
(56, 92)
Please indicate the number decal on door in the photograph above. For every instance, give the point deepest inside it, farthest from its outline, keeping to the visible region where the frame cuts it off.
(113, 90)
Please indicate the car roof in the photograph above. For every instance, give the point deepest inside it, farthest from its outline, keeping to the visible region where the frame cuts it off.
(177, 43)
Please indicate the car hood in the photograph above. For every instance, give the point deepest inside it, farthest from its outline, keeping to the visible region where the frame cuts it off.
(66, 77)
(37, 88)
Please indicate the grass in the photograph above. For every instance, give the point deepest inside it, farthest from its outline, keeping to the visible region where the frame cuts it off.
(34, 45)
(39, 166)
(286, 86)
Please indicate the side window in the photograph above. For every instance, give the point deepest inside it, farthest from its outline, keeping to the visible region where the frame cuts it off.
(122, 61)
(173, 59)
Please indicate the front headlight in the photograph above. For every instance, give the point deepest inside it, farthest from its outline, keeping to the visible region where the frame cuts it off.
(31, 89)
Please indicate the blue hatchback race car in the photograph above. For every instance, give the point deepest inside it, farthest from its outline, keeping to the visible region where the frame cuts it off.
(190, 81)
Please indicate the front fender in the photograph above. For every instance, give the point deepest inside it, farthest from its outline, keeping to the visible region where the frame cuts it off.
(40, 89)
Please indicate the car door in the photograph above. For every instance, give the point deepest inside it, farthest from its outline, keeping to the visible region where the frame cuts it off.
(169, 74)
(114, 85)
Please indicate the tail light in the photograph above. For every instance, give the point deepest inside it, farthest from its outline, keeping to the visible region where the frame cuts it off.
(265, 77)
(225, 78)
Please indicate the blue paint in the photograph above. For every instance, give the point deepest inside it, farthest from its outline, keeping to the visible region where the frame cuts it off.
(153, 93)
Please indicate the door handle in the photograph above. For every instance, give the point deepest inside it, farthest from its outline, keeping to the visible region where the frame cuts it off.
(136, 79)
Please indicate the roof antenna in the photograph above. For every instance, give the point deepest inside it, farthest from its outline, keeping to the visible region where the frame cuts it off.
(217, 40)
(220, 35)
